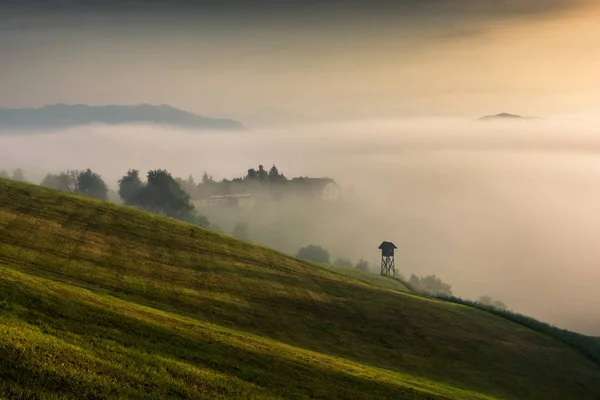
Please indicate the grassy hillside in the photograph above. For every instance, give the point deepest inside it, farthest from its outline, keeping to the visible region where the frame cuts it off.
(368, 277)
(100, 301)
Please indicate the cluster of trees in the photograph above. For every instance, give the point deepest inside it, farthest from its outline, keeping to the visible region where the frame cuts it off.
(314, 253)
(488, 301)
(261, 175)
(16, 175)
(319, 255)
(361, 264)
(208, 186)
(86, 183)
(430, 284)
(434, 286)
(160, 194)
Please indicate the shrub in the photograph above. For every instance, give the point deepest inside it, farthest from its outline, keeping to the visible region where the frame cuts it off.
(314, 253)
(430, 284)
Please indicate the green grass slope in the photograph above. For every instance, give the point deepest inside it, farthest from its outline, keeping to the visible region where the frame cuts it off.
(368, 277)
(99, 301)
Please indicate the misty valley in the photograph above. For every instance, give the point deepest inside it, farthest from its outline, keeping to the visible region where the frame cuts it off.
(448, 204)
(488, 217)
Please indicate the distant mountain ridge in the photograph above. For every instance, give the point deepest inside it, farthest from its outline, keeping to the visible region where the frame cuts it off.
(65, 116)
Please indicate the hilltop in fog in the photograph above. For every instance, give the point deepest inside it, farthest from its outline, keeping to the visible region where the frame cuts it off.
(504, 116)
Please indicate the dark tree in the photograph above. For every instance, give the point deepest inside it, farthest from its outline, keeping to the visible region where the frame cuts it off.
(90, 184)
(313, 253)
(252, 175)
(4, 175)
(163, 195)
(275, 175)
(129, 185)
(261, 175)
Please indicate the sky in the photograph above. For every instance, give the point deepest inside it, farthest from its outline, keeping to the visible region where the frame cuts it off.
(233, 58)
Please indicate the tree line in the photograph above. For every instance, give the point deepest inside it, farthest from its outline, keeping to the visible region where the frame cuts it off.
(254, 178)
(160, 193)
(86, 183)
(16, 175)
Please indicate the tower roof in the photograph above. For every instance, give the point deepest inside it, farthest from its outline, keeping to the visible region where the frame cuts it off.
(387, 245)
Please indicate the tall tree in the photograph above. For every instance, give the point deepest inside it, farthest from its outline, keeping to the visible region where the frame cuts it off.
(91, 184)
(207, 179)
(275, 175)
(163, 195)
(129, 185)
(18, 175)
(4, 174)
(261, 174)
(252, 174)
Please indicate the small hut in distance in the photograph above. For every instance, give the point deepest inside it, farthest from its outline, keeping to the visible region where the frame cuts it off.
(388, 267)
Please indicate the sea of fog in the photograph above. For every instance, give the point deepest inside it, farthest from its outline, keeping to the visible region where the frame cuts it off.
(509, 210)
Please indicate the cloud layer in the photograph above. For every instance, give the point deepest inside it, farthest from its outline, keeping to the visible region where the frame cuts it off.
(503, 210)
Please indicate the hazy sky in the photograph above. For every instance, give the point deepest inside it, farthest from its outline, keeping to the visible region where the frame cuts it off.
(230, 58)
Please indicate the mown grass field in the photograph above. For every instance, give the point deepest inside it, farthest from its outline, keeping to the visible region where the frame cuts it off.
(99, 301)
(367, 277)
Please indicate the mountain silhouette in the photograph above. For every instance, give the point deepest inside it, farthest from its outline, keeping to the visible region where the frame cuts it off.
(502, 116)
(66, 116)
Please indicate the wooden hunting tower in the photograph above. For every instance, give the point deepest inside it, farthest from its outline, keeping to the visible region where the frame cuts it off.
(387, 259)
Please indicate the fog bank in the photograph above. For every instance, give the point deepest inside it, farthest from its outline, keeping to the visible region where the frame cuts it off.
(509, 210)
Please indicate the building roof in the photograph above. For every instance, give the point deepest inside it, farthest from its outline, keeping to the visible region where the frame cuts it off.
(387, 245)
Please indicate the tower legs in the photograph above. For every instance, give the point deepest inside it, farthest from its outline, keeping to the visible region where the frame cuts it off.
(388, 267)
